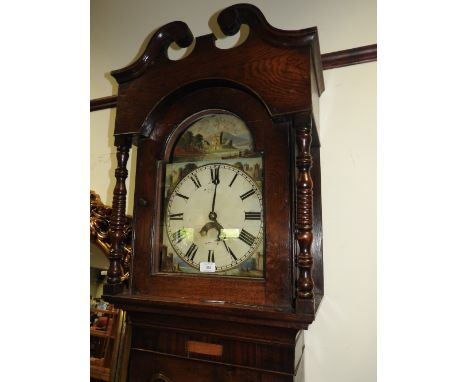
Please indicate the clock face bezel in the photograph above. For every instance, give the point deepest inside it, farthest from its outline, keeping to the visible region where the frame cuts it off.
(259, 237)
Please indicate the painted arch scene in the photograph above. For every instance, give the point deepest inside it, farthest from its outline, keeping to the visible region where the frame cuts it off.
(215, 136)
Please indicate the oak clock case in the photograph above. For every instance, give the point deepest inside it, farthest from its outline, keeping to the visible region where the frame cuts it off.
(226, 268)
(239, 136)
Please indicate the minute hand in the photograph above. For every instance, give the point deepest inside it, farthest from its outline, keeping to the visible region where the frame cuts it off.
(215, 181)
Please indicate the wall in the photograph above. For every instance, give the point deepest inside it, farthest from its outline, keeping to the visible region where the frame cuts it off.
(341, 343)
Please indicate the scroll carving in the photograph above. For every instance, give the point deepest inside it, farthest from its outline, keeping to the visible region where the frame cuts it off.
(100, 216)
(118, 218)
(231, 18)
(304, 186)
(177, 32)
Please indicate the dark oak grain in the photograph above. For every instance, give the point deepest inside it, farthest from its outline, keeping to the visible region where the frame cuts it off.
(347, 57)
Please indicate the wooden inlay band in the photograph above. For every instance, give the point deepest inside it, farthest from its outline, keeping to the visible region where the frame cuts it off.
(205, 348)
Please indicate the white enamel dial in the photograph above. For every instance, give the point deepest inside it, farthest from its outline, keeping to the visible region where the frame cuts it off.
(215, 214)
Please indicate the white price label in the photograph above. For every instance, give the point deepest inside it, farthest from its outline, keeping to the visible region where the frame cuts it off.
(207, 267)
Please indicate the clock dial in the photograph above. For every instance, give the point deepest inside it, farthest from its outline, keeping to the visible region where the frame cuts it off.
(215, 214)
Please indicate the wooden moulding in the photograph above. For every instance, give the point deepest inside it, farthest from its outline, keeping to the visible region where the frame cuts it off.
(348, 57)
(103, 103)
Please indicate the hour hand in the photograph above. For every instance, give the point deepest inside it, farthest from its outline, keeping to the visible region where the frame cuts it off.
(213, 224)
(229, 250)
(210, 225)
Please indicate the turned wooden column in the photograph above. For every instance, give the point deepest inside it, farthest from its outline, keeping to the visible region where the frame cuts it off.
(117, 223)
(304, 186)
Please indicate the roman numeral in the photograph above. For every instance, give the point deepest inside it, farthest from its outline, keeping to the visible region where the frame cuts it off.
(211, 256)
(190, 254)
(230, 251)
(247, 194)
(177, 216)
(233, 179)
(196, 181)
(252, 216)
(182, 196)
(247, 237)
(215, 175)
(179, 235)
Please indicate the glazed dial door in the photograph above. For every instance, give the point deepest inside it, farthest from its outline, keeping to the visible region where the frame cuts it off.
(215, 215)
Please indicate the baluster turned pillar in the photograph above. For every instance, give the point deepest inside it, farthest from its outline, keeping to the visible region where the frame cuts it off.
(304, 186)
(118, 218)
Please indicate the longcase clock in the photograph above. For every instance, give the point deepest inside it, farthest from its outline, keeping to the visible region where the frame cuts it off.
(227, 248)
